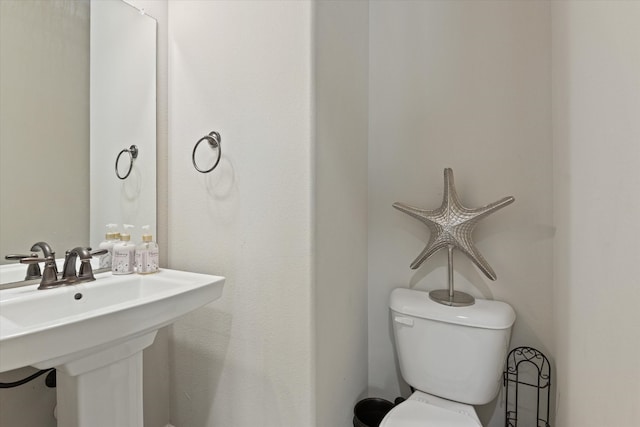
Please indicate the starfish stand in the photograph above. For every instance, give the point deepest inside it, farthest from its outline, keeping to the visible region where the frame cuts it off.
(449, 296)
(451, 226)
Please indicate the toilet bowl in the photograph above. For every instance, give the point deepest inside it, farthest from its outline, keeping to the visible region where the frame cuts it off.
(425, 410)
(452, 356)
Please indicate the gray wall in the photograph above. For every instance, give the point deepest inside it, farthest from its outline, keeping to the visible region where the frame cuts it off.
(596, 111)
(44, 124)
(44, 152)
(341, 119)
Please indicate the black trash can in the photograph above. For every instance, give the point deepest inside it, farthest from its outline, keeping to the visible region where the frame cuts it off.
(370, 412)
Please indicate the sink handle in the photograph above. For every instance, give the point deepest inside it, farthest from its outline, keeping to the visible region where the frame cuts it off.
(49, 276)
(18, 257)
(33, 272)
(85, 272)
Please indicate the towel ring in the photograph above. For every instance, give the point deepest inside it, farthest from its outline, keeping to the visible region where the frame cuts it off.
(214, 141)
(133, 154)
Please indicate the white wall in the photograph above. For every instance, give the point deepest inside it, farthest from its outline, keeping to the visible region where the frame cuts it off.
(340, 210)
(243, 69)
(464, 85)
(596, 111)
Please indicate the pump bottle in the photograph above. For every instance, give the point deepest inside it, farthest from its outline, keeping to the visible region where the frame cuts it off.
(124, 254)
(147, 253)
(108, 243)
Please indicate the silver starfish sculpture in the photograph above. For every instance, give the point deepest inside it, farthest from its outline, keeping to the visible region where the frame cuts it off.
(451, 226)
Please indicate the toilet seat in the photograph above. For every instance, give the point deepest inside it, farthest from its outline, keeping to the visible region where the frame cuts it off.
(425, 410)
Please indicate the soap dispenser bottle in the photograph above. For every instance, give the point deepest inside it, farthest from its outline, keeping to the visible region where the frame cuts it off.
(124, 254)
(147, 253)
(108, 243)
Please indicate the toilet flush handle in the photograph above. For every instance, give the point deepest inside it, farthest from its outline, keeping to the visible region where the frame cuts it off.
(404, 320)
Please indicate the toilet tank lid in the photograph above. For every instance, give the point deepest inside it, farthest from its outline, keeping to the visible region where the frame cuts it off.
(486, 314)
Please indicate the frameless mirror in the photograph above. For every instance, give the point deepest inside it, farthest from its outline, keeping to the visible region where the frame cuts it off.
(77, 86)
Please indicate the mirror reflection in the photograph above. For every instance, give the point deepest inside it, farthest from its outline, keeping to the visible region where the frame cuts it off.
(123, 114)
(77, 85)
(44, 124)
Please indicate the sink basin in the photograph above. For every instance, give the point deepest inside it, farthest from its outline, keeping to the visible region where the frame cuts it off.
(54, 327)
(93, 333)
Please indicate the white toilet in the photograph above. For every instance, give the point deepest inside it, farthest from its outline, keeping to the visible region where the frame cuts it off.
(452, 356)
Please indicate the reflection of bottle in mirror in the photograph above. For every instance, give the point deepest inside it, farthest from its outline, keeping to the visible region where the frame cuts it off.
(123, 254)
(108, 243)
(147, 253)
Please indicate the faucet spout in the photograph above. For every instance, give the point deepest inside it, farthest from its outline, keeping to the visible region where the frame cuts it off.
(69, 269)
(85, 272)
(44, 247)
(47, 252)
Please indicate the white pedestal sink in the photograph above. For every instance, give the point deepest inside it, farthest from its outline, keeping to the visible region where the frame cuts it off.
(93, 334)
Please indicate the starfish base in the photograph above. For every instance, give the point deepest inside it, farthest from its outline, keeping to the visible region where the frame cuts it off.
(457, 299)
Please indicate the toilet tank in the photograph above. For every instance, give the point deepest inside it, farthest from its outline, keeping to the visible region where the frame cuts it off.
(453, 352)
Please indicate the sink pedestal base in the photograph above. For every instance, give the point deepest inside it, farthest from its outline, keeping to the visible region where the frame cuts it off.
(105, 388)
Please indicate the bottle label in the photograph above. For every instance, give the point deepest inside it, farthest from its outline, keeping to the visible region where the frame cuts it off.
(123, 262)
(147, 261)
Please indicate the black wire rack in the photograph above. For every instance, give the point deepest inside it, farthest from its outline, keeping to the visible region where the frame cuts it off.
(527, 372)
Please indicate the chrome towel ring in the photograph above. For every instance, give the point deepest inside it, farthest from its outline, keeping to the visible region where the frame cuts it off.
(133, 154)
(214, 141)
